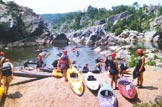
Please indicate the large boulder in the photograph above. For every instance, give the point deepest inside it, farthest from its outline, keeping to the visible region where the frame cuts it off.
(61, 39)
(18, 23)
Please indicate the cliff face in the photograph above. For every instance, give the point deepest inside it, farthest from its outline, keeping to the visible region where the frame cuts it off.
(17, 23)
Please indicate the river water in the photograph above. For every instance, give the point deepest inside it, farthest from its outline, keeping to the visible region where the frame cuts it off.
(87, 55)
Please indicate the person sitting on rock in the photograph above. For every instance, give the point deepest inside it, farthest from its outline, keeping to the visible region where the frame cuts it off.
(85, 69)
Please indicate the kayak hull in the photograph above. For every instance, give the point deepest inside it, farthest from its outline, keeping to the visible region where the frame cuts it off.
(106, 96)
(92, 82)
(1, 92)
(32, 74)
(126, 88)
(56, 73)
(75, 81)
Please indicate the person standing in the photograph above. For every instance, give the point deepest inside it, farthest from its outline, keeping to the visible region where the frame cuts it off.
(7, 74)
(139, 68)
(64, 63)
(113, 69)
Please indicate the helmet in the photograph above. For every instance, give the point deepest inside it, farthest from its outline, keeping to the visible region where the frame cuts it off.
(139, 51)
(2, 53)
(113, 54)
(7, 60)
(65, 52)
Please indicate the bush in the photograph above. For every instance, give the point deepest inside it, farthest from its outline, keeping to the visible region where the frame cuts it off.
(151, 62)
(150, 104)
(132, 61)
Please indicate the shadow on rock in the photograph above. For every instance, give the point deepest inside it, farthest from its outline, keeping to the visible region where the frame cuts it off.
(149, 87)
(135, 100)
(26, 81)
(15, 95)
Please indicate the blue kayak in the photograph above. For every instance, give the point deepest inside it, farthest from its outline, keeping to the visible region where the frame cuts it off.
(106, 96)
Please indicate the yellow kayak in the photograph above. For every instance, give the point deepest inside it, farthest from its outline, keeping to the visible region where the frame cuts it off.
(75, 81)
(1, 92)
(57, 73)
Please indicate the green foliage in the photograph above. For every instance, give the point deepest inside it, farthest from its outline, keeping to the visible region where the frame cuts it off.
(150, 104)
(160, 11)
(118, 31)
(147, 24)
(151, 62)
(132, 61)
(155, 57)
(158, 28)
(136, 18)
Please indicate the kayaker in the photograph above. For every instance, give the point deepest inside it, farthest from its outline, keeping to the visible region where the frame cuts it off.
(139, 68)
(113, 71)
(64, 63)
(85, 68)
(7, 74)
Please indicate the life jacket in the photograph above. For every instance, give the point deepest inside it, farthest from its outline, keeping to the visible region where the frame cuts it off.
(64, 59)
(6, 69)
(113, 70)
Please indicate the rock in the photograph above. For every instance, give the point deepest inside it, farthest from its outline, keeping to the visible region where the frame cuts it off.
(149, 35)
(158, 100)
(98, 49)
(19, 23)
(61, 39)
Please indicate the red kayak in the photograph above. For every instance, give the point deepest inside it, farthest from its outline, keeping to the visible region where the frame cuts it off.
(127, 88)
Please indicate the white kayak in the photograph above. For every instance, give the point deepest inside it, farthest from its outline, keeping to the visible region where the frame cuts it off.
(92, 81)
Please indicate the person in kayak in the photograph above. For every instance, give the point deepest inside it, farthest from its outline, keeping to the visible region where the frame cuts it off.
(7, 74)
(139, 68)
(64, 63)
(113, 69)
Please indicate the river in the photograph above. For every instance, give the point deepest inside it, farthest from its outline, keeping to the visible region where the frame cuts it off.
(19, 55)
(87, 55)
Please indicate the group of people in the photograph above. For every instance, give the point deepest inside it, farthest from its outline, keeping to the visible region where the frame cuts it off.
(6, 72)
(111, 65)
(113, 68)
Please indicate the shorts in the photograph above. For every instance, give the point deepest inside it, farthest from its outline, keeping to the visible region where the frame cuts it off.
(6, 80)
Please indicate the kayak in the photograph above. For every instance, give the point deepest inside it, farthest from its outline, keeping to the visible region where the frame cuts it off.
(56, 73)
(126, 88)
(92, 81)
(1, 92)
(32, 74)
(75, 81)
(50, 70)
(106, 96)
